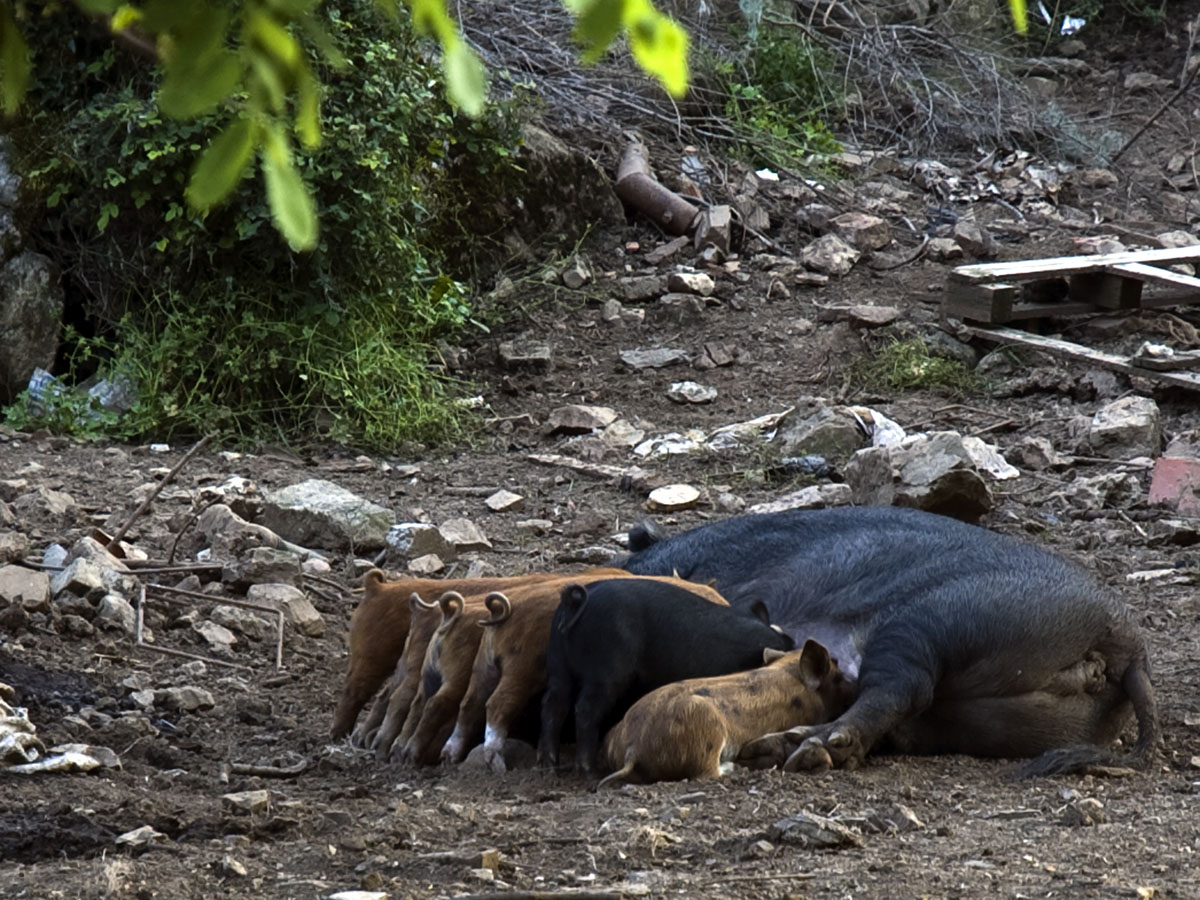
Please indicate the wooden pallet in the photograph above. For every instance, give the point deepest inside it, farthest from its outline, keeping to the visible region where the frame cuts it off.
(996, 293)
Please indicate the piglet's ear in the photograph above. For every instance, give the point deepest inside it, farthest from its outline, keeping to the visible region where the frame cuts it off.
(815, 664)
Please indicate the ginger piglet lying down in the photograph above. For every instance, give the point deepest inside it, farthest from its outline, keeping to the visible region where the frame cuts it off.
(695, 728)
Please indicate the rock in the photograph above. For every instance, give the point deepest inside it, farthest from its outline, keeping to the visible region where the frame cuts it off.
(862, 231)
(691, 283)
(1169, 239)
(1083, 813)
(232, 868)
(426, 566)
(716, 355)
(577, 273)
(218, 637)
(653, 359)
(464, 535)
(730, 504)
(672, 497)
(1097, 178)
(824, 431)
(505, 501)
(77, 626)
(80, 577)
(943, 249)
(318, 513)
(525, 353)
(485, 875)
(831, 255)
(988, 459)
(296, 606)
(12, 488)
(1175, 482)
(974, 238)
(1038, 453)
(536, 526)
(1111, 490)
(576, 419)
(641, 287)
(663, 252)
(360, 895)
(185, 698)
(25, 586)
(691, 392)
(863, 316)
(413, 539)
(264, 565)
(680, 307)
(231, 535)
(932, 472)
(817, 496)
(247, 802)
(1125, 428)
(1144, 81)
(14, 546)
(141, 838)
(1177, 207)
(92, 550)
(118, 612)
(759, 850)
(809, 830)
(818, 217)
(54, 556)
(806, 278)
(42, 502)
(243, 621)
(610, 311)
(31, 307)
(714, 229)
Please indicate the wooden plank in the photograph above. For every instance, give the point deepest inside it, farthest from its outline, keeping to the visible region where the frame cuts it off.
(1189, 380)
(982, 302)
(1066, 265)
(1143, 272)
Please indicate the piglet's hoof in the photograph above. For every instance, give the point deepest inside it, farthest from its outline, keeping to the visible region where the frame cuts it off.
(771, 749)
(827, 750)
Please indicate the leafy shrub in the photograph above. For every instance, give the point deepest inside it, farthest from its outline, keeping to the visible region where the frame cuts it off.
(779, 98)
(220, 323)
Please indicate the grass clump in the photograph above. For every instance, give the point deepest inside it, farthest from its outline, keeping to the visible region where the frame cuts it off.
(904, 365)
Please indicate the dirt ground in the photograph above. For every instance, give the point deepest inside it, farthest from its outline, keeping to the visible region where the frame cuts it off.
(919, 827)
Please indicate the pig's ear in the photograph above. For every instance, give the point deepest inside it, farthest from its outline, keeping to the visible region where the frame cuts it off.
(758, 609)
(814, 664)
(770, 654)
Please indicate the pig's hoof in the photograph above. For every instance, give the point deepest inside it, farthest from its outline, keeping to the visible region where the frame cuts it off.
(810, 756)
(770, 749)
(825, 750)
(494, 760)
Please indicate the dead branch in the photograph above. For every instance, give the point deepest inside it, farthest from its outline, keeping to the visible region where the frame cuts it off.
(167, 479)
(297, 768)
(637, 187)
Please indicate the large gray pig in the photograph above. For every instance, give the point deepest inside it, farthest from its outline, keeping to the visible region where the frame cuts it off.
(961, 640)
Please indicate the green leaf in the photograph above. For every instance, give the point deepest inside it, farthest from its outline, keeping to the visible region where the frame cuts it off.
(308, 110)
(1020, 19)
(14, 64)
(273, 38)
(321, 40)
(266, 85)
(597, 26)
(466, 80)
(188, 91)
(222, 166)
(292, 208)
(125, 16)
(430, 17)
(658, 45)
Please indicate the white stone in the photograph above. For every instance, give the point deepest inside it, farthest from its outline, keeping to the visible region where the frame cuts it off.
(691, 283)
(505, 501)
(672, 497)
(218, 636)
(830, 254)
(464, 535)
(427, 565)
(250, 802)
(1130, 426)
(296, 606)
(691, 392)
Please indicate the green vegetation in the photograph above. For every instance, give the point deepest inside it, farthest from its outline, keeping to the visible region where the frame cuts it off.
(221, 326)
(904, 365)
(778, 99)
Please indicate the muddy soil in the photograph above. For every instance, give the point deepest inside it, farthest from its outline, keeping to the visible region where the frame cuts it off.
(917, 827)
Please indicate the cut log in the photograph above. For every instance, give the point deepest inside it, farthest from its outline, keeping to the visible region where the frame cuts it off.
(637, 187)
